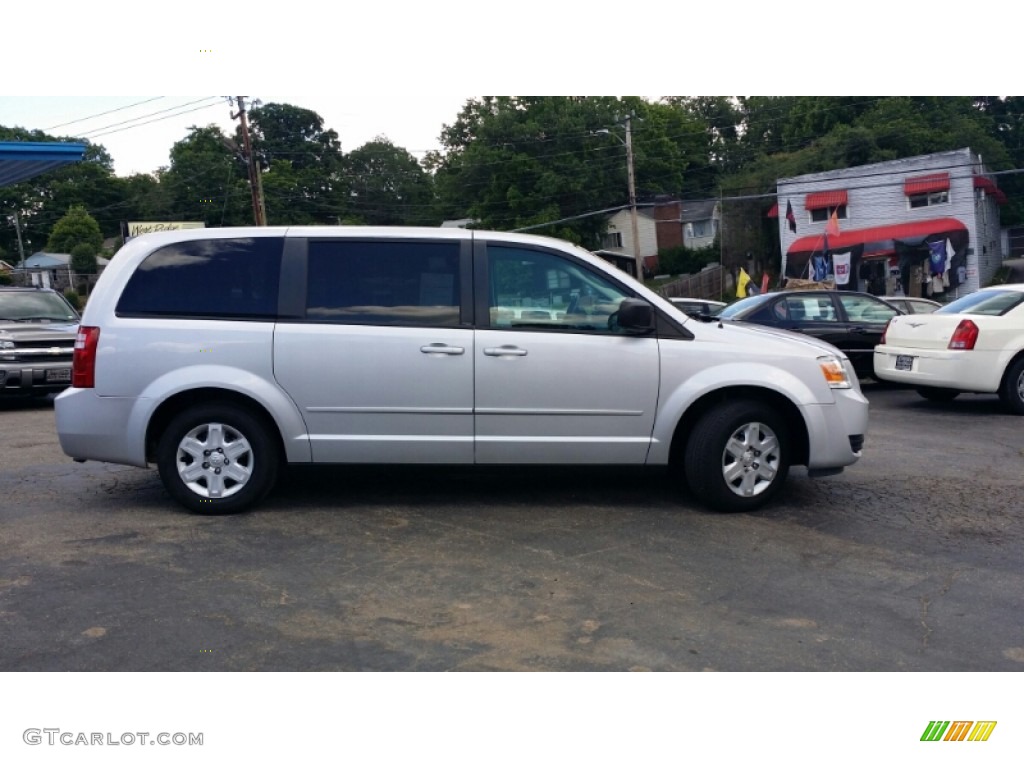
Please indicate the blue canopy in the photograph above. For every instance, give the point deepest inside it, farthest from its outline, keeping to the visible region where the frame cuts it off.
(20, 160)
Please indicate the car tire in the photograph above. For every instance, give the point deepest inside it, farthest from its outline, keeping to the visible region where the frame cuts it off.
(737, 456)
(243, 459)
(1011, 392)
(938, 394)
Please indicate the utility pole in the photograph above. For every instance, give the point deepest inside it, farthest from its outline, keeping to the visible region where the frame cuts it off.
(255, 182)
(21, 248)
(632, 198)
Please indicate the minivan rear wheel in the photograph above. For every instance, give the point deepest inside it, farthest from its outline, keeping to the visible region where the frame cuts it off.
(217, 459)
(737, 456)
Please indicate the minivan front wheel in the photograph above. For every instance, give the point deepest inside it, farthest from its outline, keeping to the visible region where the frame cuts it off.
(737, 456)
(217, 459)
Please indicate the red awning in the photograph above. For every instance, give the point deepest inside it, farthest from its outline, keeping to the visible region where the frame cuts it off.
(851, 237)
(831, 199)
(922, 185)
(981, 182)
(773, 212)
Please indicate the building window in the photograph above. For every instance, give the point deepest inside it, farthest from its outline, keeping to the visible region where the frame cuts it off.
(612, 240)
(928, 198)
(824, 214)
(702, 228)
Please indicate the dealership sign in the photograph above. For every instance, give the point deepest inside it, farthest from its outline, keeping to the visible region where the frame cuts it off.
(136, 228)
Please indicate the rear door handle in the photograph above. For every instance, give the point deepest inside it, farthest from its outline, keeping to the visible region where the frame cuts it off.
(507, 350)
(441, 349)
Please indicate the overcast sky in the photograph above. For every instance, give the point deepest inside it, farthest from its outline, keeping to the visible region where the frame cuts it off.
(140, 137)
(404, 69)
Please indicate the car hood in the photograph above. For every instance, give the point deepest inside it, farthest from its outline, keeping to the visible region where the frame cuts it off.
(773, 340)
(28, 330)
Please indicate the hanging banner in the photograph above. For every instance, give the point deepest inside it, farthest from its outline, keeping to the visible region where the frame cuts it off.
(841, 265)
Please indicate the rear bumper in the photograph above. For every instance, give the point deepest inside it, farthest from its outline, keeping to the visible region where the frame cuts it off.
(967, 371)
(100, 428)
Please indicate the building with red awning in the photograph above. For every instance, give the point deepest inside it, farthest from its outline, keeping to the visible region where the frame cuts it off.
(922, 225)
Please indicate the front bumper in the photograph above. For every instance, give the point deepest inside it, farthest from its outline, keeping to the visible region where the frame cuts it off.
(22, 379)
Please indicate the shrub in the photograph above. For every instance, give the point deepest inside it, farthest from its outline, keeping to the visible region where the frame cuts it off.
(73, 298)
(681, 260)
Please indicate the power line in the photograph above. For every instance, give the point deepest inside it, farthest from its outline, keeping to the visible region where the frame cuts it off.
(100, 114)
(96, 132)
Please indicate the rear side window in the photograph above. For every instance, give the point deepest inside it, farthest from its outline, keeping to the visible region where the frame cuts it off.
(230, 278)
(383, 283)
(994, 302)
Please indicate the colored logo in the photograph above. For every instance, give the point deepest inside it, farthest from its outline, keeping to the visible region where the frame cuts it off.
(959, 730)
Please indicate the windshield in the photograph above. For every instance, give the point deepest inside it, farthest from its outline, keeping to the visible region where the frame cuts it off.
(994, 302)
(740, 306)
(35, 306)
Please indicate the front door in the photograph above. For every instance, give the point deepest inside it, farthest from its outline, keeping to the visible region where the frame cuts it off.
(556, 380)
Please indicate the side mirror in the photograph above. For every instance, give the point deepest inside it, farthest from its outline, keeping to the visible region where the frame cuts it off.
(636, 315)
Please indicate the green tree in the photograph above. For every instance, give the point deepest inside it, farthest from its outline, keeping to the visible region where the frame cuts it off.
(42, 200)
(83, 259)
(76, 228)
(304, 181)
(207, 180)
(514, 162)
(389, 186)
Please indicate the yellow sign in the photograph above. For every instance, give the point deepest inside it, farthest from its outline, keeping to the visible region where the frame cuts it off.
(136, 228)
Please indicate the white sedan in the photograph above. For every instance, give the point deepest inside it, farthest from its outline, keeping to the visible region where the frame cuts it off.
(973, 344)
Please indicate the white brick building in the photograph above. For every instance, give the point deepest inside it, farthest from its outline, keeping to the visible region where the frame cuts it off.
(901, 224)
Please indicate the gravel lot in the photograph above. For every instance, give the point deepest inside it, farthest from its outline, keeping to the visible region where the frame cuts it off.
(910, 560)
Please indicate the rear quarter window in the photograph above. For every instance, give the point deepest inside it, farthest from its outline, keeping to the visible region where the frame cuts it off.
(219, 278)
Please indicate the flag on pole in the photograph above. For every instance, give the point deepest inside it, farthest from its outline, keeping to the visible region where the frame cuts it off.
(832, 228)
(790, 217)
(741, 284)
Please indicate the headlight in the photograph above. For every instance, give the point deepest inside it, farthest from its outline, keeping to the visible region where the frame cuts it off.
(834, 371)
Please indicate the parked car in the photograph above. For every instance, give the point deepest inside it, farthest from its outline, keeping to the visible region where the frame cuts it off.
(698, 307)
(973, 344)
(851, 321)
(37, 337)
(912, 305)
(220, 354)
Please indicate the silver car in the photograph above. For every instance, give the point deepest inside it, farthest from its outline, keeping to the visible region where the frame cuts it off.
(220, 354)
(37, 333)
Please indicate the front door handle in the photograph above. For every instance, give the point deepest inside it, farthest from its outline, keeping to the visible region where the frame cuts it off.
(507, 350)
(441, 349)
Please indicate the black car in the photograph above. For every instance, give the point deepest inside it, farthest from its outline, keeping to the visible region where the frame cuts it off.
(849, 320)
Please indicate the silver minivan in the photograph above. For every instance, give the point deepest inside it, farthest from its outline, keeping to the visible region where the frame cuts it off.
(221, 354)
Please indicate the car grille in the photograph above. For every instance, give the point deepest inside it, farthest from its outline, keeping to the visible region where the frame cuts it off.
(40, 350)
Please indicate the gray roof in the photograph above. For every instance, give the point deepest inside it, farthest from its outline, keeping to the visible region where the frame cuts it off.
(701, 210)
(43, 260)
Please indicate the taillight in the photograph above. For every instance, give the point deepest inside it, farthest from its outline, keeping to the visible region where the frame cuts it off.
(83, 365)
(965, 336)
(885, 330)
